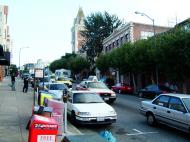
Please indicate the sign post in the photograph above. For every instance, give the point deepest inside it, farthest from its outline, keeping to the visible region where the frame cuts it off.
(38, 73)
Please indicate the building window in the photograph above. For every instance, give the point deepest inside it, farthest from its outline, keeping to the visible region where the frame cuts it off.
(113, 45)
(127, 37)
(109, 47)
(145, 34)
(121, 40)
(117, 43)
(1, 18)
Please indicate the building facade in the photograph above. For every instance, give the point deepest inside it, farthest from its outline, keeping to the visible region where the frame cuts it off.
(78, 26)
(4, 41)
(130, 32)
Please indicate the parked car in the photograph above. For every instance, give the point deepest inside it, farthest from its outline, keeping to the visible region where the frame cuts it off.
(57, 89)
(99, 88)
(65, 81)
(87, 107)
(122, 88)
(170, 109)
(92, 78)
(44, 81)
(151, 91)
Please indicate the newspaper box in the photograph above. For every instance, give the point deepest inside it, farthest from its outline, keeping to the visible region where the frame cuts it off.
(42, 129)
(58, 110)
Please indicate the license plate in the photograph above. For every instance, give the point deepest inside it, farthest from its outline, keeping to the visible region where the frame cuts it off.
(106, 99)
(100, 119)
(46, 138)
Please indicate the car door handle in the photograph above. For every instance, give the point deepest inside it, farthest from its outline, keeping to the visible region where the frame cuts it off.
(168, 111)
(154, 107)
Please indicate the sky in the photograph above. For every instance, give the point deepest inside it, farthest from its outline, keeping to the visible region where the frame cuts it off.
(44, 26)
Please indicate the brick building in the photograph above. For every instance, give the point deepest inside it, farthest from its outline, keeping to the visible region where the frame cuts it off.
(129, 32)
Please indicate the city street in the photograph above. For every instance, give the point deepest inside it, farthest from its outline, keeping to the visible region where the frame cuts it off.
(131, 126)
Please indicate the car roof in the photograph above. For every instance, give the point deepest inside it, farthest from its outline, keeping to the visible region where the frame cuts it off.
(177, 95)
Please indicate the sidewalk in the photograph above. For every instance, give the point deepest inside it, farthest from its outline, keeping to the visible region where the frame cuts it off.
(15, 111)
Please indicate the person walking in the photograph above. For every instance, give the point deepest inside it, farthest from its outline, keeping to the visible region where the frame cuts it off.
(13, 82)
(25, 87)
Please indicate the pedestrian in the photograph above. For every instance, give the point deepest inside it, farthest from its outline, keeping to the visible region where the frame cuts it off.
(13, 82)
(25, 87)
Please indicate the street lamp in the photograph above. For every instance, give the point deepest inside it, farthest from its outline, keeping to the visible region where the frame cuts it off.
(19, 55)
(143, 14)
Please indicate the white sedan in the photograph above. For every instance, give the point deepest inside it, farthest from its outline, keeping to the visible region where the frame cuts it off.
(87, 107)
(99, 88)
(170, 109)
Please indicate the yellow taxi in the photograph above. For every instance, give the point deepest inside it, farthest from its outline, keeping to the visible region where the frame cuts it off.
(65, 81)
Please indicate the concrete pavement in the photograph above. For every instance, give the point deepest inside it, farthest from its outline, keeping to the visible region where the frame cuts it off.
(15, 111)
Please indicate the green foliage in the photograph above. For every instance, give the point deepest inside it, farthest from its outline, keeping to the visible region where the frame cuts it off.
(98, 26)
(79, 64)
(103, 63)
(13, 69)
(171, 56)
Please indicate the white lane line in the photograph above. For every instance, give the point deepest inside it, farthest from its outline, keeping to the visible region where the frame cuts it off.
(137, 131)
(140, 133)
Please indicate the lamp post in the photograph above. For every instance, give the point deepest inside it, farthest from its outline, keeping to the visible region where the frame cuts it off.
(19, 56)
(143, 14)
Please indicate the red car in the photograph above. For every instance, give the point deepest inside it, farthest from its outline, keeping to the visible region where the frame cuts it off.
(122, 88)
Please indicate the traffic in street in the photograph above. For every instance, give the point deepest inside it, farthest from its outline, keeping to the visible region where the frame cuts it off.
(131, 126)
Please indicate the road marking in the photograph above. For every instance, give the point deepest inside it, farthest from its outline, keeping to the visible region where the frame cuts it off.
(140, 133)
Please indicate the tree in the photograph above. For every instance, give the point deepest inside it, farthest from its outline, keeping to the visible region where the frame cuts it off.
(13, 69)
(103, 63)
(78, 64)
(98, 26)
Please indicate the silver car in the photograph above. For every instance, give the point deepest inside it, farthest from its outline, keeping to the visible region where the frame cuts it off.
(170, 109)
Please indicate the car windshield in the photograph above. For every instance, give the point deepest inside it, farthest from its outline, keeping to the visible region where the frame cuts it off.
(98, 85)
(45, 79)
(57, 87)
(61, 79)
(187, 103)
(87, 98)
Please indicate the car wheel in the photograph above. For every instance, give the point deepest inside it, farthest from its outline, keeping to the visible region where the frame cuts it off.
(151, 119)
(73, 118)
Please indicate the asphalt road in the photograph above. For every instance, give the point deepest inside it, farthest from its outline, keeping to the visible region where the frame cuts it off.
(131, 125)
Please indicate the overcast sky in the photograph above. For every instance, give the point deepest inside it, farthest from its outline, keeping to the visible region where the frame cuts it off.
(45, 25)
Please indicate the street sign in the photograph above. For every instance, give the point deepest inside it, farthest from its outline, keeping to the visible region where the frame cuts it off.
(39, 73)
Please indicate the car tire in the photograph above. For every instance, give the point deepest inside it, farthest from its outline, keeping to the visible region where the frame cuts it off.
(73, 118)
(151, 119)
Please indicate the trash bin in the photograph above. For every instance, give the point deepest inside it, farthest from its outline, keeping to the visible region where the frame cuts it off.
(42, 129)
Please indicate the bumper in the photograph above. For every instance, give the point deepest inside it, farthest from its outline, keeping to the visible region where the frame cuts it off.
(109, 99)
(143, 111)
(91, 121)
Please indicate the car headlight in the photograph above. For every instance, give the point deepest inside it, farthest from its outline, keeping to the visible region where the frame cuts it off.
(113, 94)
(83, 113)
(112, 112)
